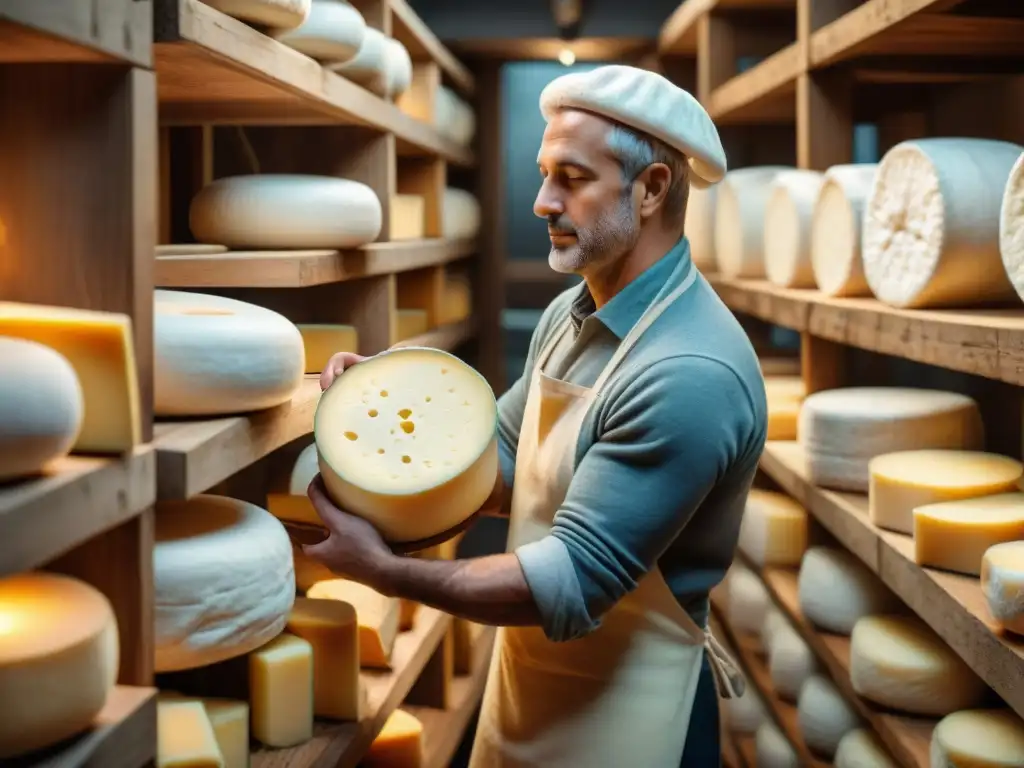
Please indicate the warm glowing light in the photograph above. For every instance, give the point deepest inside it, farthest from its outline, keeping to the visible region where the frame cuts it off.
(567, 57)
(8, 623)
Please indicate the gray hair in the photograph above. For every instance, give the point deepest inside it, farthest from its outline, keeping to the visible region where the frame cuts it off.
(635, 151)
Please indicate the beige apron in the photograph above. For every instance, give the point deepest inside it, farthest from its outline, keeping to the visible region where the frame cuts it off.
(621, 696)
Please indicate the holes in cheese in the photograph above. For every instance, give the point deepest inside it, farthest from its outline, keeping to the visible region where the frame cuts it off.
(407, 218)
(899, 662)
(791, 663)
(415, 481)
(281, 14)
(453, 117)
(904, 480)
(378, 618)
(398, 64)
(746, 713)
(836, 590)
(931, 223)
(773, 530)
(1011, 226)
(1002, 583)
(787, 228)
(954, 535)
(980, 738)
(286, 211)
(59, 655)
(223, 580)
(322, 341)
(460, 214)
(700, 227)
(399, 743)
(99, 347)
(841, 430)
(860, 748)
(824, 716)
(772, 749)
(368, 67)
(836, 230)
(739, 220)
(746, 600)
(216, 356)
(281, 690)
(184, 736)
(333, 31)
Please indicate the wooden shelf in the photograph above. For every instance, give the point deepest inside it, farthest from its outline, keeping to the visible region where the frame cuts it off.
(79, 497)
(447, 337)
(678, 35)
(764, 93)
(408, 29)
(342, 745)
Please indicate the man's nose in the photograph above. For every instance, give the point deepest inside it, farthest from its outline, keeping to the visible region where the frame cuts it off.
(548, 204)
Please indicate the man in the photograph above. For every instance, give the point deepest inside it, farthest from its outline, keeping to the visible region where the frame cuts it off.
(629, 443)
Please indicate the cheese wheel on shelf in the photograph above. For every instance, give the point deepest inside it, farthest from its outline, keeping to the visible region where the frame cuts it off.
(747, 601)
(322, 341)
(746, 713)
(377, 614)
(295, 506)
(791, 663)
(454, 117)
(407, 220)
(860, 748)
(773, 531)
(787, 228)
(931, 224)
(739, 220)
(410, 323)
(456, 300)
(1002, 583)
(223, 580)
(955, 535)
(333, 31)
(978, 738)
(774, 622)
(216, 356)
(399, 743)
(398, 65)
(278, 14)
(369, 67)
(836, 590)
(185, 736)
(824, 716)
(836, 230)
(772, 749)
(841, 430)
(900, 663)
(41, 408)
(460, 215)
(700, 228)
(1011, 226)
(407, 440)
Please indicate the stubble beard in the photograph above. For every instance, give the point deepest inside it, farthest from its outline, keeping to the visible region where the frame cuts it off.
(614, 234)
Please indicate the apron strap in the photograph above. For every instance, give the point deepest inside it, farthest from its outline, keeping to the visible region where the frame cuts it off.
(729, 681)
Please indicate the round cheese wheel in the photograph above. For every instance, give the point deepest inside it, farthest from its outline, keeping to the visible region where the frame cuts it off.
(333, 31)
(931, 224)
(59, 656)
(460, 215)
(307, 464)
(747, 601)
(369, 67)
(223, 580)
(278, 14)
(744, 714)
(836, 590)
(699, 227)
(454, 117)
(399, 68)
(215, 356)
(772, 749)
(836, 230)
(407, 440)
(1011, 226)
(773, 531)
(739, 220)
(41, 407)
(954, 535)
(791, 663)
(824, 715)
(860, 748)
(1002, 583)
(774, 621)
(979, 738)
(787, 228)
(286, 211)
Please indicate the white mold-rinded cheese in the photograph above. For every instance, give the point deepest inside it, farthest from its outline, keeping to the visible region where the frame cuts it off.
(223, 580)
(747, 600)
(460, 216)
(59, 656)
(277, 14)
(836, 590)
(791, 663)
(369, 67)
(931, 223)
(978, 738)
(772, 749)
(841, 430)
(824, 715)
(1002, 583)
(213, 356)
(739, 220)
(286, 211)
(700, 227)
(774, 621)
(1011, 226)
(453, 116)
(860, 748)
(787, 228)
(774, 529)
(41, 407)
(836, 230)
(955, 535)
(744, 714)
(398, 64)
(900, 663)
(407, 440)
(333, 31)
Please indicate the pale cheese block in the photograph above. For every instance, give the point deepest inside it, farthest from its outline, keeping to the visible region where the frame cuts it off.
(699, 227)
(902, 481)
(1002, 583)
(744, 714)
(408, 217)
(841, 430)
(900, 663)
(378, 618)
(824, 716)
(286, 211)
(453, 116)
(399, 743)
(460, 214)
(59, 656)
(279, 14)
(369, 67)
(281, 690)
(774, 529)
(1011, 226)
(773, 749)
(747, 601)
(787, 228)
(931, 224)
(739, 220)
(407, 440)
(791, 663)
(223, 580)
(230, 721)
(217, 356)
(322, 341)
(836, 590)
(41, 408)
(783, 417)
(185, 737)
(860, 748)
(398, 64)
(836, 230)
(410, 323)
(456, 300)
(955, 535)
(100, 348)
(774, 621)
(333, 32)
(978, 738)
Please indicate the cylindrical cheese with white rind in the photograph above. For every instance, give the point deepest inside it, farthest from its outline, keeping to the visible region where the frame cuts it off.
(223, 580)
(773, 531)
(369, 67)
(699, 227)
(744, 714)
(453, 116)
(41, 407)
(787, 228)
(739, 220)
(791, 663)
(860, 748)
(277, 14)
(1002, 583)
(978, 738)
(59, 655)
(836, 590)
(772, 749)
(824, 715)
(407, 440)
(747, 601)
(954, 535)
(399, 68)
(900, 663)
(774, 620)
(931, 224)
(215, 356)
(333, 31)
(286, 211)
(836, 230)
(841, 430)
(460, 214)
(1011, 226)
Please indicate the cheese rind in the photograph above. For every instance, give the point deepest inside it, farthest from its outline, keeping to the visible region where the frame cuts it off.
(979, 738)
(322, 341)
(836, 230)
(774, 529)
(744, 714)
(824, 715)
(774, 622)
(860, 748)
(954, 535)
(746, 601)
(1011, 226)
(399, 743)
(836, 590)
(279, 14)
(398, 64)
(791, 663)
(333, 31)
(378, 617)
(185, 737)
(1002, 583)
(460, 214)
(453, 117)
(773, 750)
(281, 685)
(700, 227)
(787, 228)
(369, 67)
(739, 220)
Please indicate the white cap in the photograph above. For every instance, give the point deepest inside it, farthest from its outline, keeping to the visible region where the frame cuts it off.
(647, 102)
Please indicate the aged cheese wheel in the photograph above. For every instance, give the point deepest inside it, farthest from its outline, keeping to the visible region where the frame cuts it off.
(278, 14)
(774, 529)
(333, 32)
(774, 621)
(954, 535)
(223, 580)
(746, 601)
(1002, 582)
(399, 68)
(700, 227)
(836, 230)
(59, 656)
(746, 713)
(787, 228)
(1011, 226)
(836, 590)
(772, 749)
(978, 738)
(791, 663)
(369, 67)
(739, 220)
(824, 715)
(460, 216)
(41, 407)
(453, 116)
(407, 440)
(860, 748)
(214, 355)
(931, 224)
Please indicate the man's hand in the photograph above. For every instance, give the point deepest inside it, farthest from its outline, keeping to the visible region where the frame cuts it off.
(336, 366)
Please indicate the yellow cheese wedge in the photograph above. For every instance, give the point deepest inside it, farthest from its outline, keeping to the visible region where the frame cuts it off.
(407, 217)
(323, 341)
(184, 736)
(100, 347)
(407, 614)
(1002, 583)
(954, 535)
(378, 618)
(410, 322)
(281, 690)
(399, 743)
(230, 721)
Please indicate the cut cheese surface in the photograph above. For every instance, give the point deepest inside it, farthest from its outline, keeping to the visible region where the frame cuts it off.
(954, 535)
(399, 743)
(700, 227)
(836, 230)
(453, 116)
(931, 224)
(59, 657)
(774, 529)
(281, 14)
(322, 341)
(407, 440)
(223, 580)
(979, 738)
(1002, 582)
(773, 750)
(900, 663)
(286, 211)
(230, 721)
(836, 589)
(739, 220)
(787, 228)
(100, 348)
(217, 356)
(407, 217)
(744, 714)
(824, 715)
(369, 67)
(333, 31)
(377, 615)
(460, 216)
(746, 601)
(791, 663)
(860, 748)
(185, 737)
(1011, 226)
(281, 685)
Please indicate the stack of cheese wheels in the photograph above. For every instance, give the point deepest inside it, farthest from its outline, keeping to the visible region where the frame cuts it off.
(785, 394)
(407, 440)
(460, 216)
(277, 14)
(1002, 583)
(332, 32)
(41, 407)
(369, 67)
(774, 529)
(223, 580)
(744, 714)
(214, 355)
(398, 63)
(739, 220)
(453, 117)
(954, 535)
(931, 225)
(700, 227)
(59, 656)
(860, 748)
(286, 211)
(772, 749)
(841, 430)
(980, 738)
(791, 663)
(746, 600)
(787, 228)
(836, 230)
(1011, 226)
(836, 590)
(825, 717)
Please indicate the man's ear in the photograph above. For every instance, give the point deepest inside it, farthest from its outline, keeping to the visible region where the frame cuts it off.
(654, 180)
